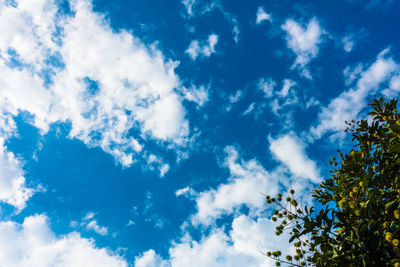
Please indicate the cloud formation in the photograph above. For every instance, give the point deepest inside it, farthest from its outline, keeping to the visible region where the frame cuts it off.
(13, 189)
(267, 85)
(189, 6)
(104, 83)
(349, 104)
(303, 41)
(262, 16)
(238, 247)
(150, 259)
(248, 181)
(249, 233)
(202, 48)
(32, 243)
(290, 150)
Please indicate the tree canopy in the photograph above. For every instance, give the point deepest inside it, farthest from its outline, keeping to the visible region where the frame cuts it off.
(357, 222)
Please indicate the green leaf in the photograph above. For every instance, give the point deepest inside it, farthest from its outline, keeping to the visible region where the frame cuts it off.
(389, 204)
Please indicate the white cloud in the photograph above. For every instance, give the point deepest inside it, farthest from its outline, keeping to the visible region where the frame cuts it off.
(351, 39)
(150, 214)
(13, 188)
(88, 216)
(394, 87)
(155, 162)
(235, 30)
(262, 16)
(241, 246)
(248, 235)
(303, 41)
(245, 186)
(285, 97)
(287, 84)
(198, 95)
(198, 8)
(249, 109)
(312, 102)
(186, 191)
(349, 104)
(93, 225)
(135, 86)
(213, 250)
(395, 83)
(150, 259)
(348, 43)
(280, 101)
(202, 48)
(189, 6)
(352, 74)
(90, 224)
(164, 169)
(32, 243)
(24, 38)
(236, 97)
(156, 221)
(252, 235)
(290, 150)
(267, 85)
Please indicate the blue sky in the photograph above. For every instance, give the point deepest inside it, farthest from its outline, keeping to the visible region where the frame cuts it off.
(145, 133)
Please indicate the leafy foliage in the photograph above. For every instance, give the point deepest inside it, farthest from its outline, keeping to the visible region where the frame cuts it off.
(358, 223)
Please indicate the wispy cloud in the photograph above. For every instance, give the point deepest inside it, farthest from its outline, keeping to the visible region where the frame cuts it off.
(249, 109)
(349, 104)
(262, 16)
(267, 85)
(287, 85)
(198, 95)
(348, 43)
(186, 191)
(303, 41)
(351, 39)
(284, 98)
(189, 4)
(94, 226)
(202, 48)
(90, 224)
(198, 8)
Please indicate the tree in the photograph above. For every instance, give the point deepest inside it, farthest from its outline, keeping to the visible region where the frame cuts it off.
(357, 222)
